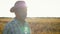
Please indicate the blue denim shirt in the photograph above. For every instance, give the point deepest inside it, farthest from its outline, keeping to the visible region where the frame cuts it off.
(15, 27)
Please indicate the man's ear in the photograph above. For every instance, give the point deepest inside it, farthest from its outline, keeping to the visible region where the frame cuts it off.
(12, 9)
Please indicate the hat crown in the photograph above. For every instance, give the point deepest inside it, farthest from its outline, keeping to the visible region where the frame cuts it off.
(20, 4)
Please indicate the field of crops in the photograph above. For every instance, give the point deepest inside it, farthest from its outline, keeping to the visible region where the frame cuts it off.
(38, 25)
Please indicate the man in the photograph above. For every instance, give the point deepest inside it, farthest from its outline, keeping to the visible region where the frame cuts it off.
(18, 24)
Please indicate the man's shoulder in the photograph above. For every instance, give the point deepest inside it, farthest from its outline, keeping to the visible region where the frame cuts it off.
(10, 23)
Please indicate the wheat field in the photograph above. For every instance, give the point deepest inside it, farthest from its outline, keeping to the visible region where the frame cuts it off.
(38, 25)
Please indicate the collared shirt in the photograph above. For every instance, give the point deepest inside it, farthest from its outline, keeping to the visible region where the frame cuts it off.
(15, 27)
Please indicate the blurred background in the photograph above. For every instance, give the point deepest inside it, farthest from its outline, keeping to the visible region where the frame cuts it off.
(38, 25)
(36, 8)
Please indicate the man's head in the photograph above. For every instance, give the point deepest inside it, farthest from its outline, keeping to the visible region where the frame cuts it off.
(20, 9)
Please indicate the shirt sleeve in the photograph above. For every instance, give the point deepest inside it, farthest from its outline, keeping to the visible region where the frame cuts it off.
(6, 30)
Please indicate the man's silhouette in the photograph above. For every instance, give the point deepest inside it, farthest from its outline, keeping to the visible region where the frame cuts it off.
(18, 25)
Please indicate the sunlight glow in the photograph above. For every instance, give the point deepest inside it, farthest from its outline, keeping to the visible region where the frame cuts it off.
(36, 8)
(43, 8)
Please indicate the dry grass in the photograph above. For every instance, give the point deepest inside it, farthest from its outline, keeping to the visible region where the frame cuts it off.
(38, 25)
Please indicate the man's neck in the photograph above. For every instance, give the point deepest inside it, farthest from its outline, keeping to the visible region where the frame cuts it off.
(19, 19)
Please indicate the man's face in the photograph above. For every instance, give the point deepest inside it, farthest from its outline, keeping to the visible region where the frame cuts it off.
(21, 12)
